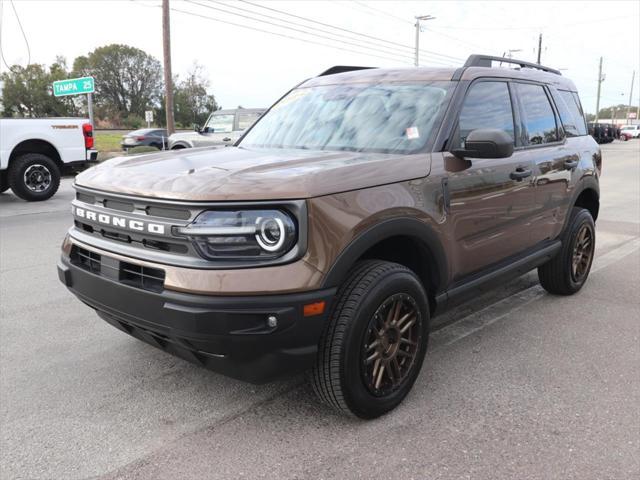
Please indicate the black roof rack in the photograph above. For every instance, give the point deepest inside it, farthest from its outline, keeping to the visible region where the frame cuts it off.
(341, 69)
(485, 61)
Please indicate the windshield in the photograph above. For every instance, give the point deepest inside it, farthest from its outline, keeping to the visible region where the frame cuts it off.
(222, 123)
(388, 118)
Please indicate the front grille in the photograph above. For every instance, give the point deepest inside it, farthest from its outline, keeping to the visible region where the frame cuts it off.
(143, 211)
(137, 276)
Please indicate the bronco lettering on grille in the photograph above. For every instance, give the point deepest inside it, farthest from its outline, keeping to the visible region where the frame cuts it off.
(121, 222)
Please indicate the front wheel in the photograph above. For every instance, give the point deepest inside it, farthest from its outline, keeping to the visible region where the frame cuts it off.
(375, 342)
(4, 182)
(34, 177)
(567, 272)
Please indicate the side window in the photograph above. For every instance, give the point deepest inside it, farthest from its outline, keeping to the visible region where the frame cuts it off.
(567, 117)
(576, 110)
(538, 118)
(487, 105)
(245, 120)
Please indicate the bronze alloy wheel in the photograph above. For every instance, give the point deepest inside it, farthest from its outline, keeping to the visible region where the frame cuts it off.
(391, 344)
(582, 253)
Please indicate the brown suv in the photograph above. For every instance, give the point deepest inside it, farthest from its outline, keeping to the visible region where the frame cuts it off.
(363, 203)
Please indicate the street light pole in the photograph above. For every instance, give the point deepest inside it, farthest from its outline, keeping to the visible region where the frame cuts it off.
(600, 80)
(423, 17)
(633, 79)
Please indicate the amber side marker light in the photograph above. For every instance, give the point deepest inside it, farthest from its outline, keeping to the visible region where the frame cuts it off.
(311, 309)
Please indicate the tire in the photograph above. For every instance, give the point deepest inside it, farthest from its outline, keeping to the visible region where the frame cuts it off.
(34, 177)
(4, 182)
(560, 275)
(343, 377)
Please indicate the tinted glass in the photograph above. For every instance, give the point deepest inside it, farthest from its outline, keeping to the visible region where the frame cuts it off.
(538, 118)
(245, 120)
(386, 118)
(487, 105)
(570, 114)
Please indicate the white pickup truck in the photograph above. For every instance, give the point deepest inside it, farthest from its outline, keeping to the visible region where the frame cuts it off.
(35, 152)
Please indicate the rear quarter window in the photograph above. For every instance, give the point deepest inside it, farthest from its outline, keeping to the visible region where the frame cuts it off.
(571, 113)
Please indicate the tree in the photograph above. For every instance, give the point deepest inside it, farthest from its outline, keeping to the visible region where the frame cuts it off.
(128, 80)
(27, 91)
(191, 101)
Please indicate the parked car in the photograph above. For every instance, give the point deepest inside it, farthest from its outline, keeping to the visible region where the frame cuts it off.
(35, 152)
(625, 136)
(363, 204)
(602, 132)
(631, 130)
(146, 137)
(223, 127)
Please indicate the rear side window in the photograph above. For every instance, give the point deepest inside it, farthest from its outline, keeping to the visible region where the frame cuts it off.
(569, 107)
(487, 105)
(538, 119)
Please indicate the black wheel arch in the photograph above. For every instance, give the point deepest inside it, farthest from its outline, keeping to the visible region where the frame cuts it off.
(36, 145)
(431, 265)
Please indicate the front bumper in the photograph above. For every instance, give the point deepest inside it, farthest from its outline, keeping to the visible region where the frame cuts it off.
(227, 334)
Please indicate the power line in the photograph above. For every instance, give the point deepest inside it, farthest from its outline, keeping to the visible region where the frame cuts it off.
(391, 49)
(386, 14)
(350, 31)
(359, 45)
(23, 34)
(290, 37)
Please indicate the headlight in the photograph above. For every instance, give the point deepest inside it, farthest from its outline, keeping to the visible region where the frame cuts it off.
(241, 234)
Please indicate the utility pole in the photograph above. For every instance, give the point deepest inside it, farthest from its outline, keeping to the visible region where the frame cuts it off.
(600, 80)
(168, 80)
(423, 17)
(633, 79)
(539, 47)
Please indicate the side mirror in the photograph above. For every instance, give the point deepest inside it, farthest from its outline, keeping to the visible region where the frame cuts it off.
(486, 143)
(196, 127)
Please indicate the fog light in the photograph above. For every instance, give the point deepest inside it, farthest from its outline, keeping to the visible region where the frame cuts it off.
(272, 321)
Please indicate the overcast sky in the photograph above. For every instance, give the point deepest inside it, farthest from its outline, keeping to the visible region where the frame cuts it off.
(252, 68)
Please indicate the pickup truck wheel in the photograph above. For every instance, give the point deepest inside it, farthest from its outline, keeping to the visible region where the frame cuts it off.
(4, 182)
(373, 347)
(567, 272)
(34, 177)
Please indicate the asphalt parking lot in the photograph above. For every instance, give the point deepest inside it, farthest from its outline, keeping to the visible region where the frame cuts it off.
(520, 384)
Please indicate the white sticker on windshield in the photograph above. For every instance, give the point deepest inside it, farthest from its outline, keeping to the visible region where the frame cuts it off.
(412, 133)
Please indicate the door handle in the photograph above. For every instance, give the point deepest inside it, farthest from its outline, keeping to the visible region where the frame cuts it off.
(570, 164)
(520, 174)
(226, 139)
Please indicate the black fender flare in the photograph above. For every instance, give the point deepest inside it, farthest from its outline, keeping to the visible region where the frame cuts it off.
(400, 226)
(586, 183)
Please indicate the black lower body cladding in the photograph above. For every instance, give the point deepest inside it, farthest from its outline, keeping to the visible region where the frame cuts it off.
(230, 335)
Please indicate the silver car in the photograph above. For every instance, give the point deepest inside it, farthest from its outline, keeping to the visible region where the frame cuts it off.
(223, 127)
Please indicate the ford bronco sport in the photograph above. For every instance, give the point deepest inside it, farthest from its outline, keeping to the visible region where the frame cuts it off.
(364, 202)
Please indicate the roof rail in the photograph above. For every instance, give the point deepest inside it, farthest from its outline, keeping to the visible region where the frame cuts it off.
(341, 69)
(485, 61)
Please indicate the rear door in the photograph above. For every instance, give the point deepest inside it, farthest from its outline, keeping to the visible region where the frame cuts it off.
(491, 200)
(555, 157)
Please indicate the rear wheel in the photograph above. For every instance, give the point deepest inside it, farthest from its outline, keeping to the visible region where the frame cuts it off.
(567, 272)
(34, 177)
(374, 345)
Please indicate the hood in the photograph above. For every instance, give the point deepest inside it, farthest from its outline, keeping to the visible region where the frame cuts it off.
(236, 173)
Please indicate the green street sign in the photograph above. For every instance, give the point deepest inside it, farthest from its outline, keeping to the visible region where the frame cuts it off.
(73, 86)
